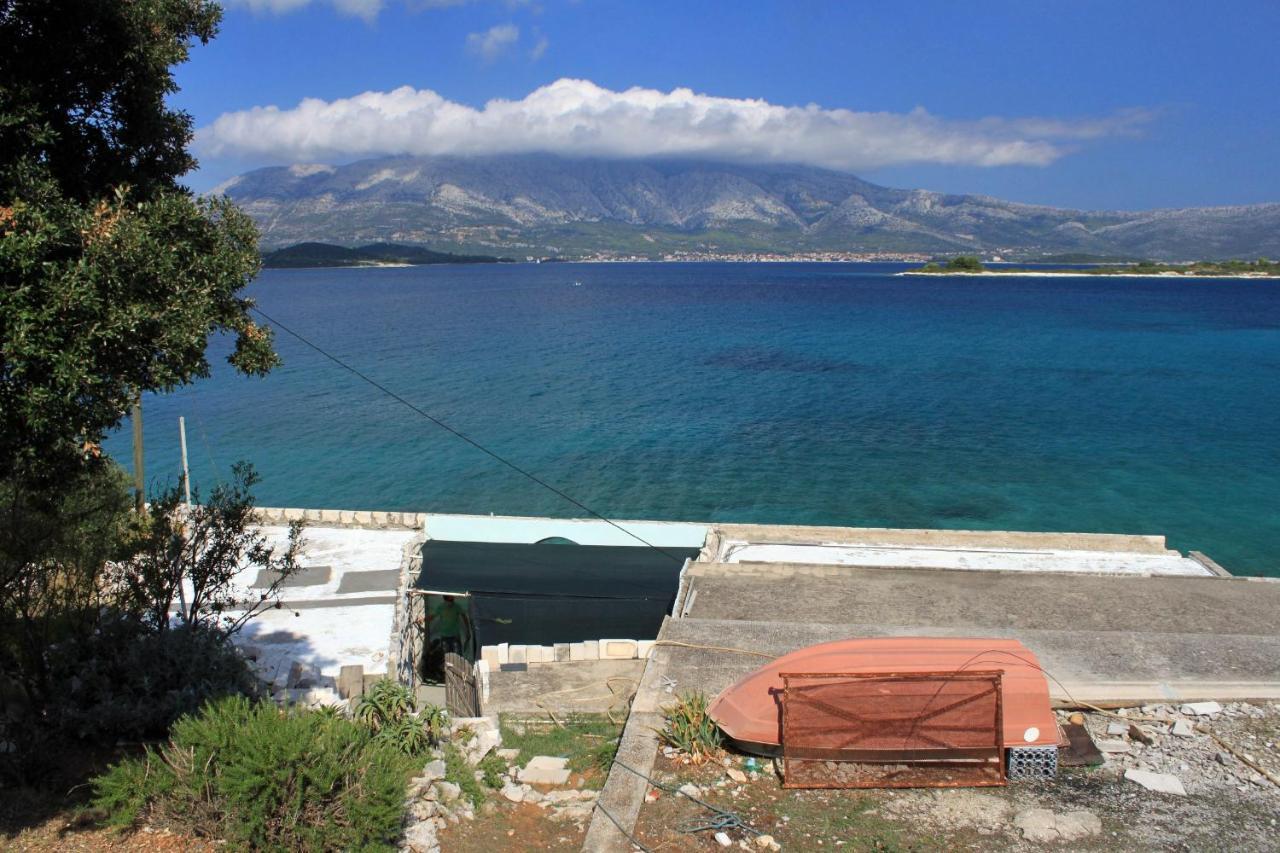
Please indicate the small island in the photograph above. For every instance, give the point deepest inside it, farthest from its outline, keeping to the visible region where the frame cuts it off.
(971, 265)
(315, 255)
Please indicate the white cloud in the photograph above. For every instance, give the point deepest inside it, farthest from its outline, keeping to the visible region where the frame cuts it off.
(491, 43)
(366, 9)
(539, 48)
(577, 117)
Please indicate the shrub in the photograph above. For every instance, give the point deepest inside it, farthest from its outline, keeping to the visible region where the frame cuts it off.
(688, 728)
(494, 770)
(265, 778)
(459, 772)
(389, 710)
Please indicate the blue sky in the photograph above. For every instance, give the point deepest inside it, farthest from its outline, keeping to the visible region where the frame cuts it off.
(1120, 104)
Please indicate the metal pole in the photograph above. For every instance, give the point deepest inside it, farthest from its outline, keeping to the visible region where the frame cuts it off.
(186, 486)
(139, 478)
(186, 473)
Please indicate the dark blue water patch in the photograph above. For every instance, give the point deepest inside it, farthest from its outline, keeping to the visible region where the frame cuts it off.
(788, 393)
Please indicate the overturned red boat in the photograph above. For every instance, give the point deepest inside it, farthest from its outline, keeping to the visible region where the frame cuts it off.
(750, 711)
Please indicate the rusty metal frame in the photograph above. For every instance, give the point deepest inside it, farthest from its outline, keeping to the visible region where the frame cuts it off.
(941, 758)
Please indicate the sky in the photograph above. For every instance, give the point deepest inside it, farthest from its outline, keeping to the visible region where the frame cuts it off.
(1119, 104)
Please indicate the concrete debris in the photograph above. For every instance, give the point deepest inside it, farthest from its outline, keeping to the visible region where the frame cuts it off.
(1201, 709)
(690, 790)
(1113, 747)
(545, 770)
(736, 775)
(514, 793)
(1223, 758)
(722, 838)
(1117, 729)
(1141, 735)
(1182, 728)
(1164, 783)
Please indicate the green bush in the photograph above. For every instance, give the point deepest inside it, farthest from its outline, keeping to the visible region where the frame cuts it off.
(127, 681)
(459, 772)
(265, 778)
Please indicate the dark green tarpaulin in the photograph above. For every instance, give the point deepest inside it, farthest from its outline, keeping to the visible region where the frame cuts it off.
(546, 593)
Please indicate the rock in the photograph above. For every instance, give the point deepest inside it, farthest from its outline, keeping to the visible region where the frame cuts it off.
(1037, 825)
(545, 770)
(723, 839)
(434, 770)
(764, 841)
(421, 838)
(1182, 728)
(1076, 719)
(736, 775)
(423, 810)
(514, 793)
(690, 790)
(1164, 783)
(1113, 747)
(1072, 826)
(1223, 758)
(1117, 729)
(533, 796)
(508, 754)
(448, 791)
(1201, 709)
(1141, 735)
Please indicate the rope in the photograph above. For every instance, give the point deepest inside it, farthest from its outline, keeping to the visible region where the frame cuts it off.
(721, 819)
(459, 434)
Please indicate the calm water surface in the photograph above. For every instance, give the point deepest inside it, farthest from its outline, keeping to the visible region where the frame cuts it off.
(790, 393)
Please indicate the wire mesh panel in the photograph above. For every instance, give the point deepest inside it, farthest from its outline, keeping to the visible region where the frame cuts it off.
(908, 730)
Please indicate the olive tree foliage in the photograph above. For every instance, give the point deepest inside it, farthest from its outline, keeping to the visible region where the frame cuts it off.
(113, 278)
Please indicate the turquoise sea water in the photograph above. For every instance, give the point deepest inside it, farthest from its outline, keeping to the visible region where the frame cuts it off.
(790, 393)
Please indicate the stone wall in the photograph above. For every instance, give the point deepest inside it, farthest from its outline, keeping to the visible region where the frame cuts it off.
(355, 518)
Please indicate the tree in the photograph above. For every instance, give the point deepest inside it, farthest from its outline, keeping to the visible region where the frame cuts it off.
(965, 263)
(114, 275)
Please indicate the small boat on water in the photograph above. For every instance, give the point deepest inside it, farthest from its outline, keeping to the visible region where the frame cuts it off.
(750, 711)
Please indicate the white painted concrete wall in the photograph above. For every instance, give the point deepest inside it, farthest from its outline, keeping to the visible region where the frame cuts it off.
(995, 559)
(584, 531)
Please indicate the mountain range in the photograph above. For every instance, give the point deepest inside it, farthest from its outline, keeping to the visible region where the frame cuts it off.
(533, 205)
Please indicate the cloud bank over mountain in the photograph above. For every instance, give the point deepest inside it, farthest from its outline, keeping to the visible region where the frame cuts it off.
(579, 118)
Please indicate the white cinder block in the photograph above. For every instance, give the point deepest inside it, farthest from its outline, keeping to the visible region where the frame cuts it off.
(617, 649)
(643, 648)
(504, 653)
(517, 654)
(577, 651)
(591, 650)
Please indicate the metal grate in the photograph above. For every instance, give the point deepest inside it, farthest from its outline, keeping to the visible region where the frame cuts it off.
(909, 730)
(1033, 762)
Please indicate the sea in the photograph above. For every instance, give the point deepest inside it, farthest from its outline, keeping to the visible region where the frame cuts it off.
(791, 393)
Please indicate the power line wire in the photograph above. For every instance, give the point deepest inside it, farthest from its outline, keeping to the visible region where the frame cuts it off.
(477, 445)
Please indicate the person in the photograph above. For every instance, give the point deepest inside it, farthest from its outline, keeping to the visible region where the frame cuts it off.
(445, 622)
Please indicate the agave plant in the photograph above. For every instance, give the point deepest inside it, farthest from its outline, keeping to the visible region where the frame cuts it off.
(689, 729)
(385, 705)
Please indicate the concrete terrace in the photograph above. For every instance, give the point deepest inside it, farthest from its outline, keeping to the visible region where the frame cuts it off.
(1113, 619)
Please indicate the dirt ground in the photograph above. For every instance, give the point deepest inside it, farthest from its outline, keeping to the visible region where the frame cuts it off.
(1228, 805)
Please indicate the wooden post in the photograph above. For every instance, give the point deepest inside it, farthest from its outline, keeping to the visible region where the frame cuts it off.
(139, 479)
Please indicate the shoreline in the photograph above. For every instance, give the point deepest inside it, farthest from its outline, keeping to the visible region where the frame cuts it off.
(1084, 274)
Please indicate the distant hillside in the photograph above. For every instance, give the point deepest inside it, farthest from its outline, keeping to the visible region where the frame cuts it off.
(329, 255)
(542, 205)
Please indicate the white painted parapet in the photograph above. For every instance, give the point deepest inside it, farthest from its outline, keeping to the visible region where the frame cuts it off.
(608, 649)
(370, 519)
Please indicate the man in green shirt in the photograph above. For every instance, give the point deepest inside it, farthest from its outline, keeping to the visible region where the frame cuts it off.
(446, 622)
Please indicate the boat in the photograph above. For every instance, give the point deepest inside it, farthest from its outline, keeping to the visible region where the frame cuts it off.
(749, 712)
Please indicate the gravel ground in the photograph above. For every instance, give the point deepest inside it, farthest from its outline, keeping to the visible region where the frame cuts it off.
(1227, 805)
